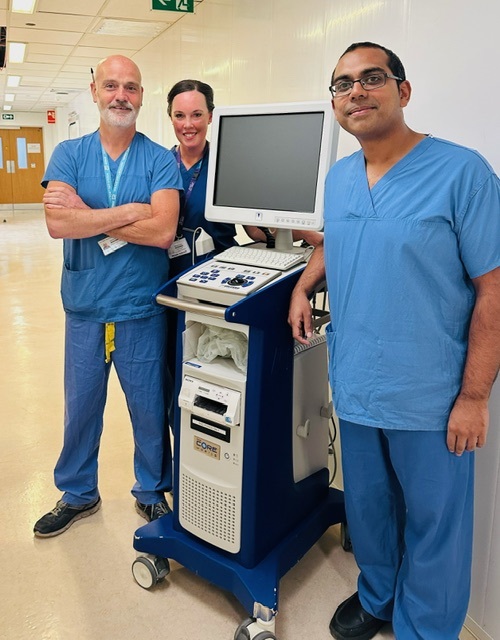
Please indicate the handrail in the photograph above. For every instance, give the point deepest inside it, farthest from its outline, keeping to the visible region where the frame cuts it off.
(194, 307)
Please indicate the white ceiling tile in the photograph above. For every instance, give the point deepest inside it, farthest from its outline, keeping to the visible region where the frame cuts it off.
(35, 81)
(70, 83)
(31, 93)
(50, 49)
(31, 68)
(87, 8)
(52, 21)
(40, 57)
(17, 34)
(114, 42)
(80, 73)
(94, 54)
(80, 65)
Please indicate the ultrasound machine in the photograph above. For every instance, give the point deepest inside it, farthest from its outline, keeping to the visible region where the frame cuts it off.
(251, 434)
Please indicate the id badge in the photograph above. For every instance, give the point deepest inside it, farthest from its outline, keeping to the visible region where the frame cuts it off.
(110, 245)
(178, 248)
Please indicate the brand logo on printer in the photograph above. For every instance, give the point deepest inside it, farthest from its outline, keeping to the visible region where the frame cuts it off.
(210, 449)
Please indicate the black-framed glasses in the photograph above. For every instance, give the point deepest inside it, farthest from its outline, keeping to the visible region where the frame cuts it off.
(369, 82)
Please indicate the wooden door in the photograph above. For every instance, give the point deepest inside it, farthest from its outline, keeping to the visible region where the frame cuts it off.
(22, 166)
(5, 168)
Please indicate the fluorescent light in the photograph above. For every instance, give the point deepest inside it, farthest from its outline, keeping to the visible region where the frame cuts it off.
(9, 97)
(23, 6)
(7, 107)
(17, 51)
(13, 81)
(110, 27)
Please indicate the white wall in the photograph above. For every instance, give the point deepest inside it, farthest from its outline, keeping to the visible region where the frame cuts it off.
(285, 50)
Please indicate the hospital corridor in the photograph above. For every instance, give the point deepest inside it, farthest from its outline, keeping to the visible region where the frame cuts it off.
(79, 585)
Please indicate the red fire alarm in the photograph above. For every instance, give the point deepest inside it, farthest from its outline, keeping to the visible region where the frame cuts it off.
(51, 116)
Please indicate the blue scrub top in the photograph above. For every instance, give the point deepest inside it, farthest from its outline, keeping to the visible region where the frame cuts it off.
(399, 259)
(118, 286)
(194, 216)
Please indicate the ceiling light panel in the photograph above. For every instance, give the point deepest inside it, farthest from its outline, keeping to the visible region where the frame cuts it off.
(17, 51)
(23, 6)
(108, 27)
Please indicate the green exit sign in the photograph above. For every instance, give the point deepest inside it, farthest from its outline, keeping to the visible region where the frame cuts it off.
(7, 116)
(185, 6)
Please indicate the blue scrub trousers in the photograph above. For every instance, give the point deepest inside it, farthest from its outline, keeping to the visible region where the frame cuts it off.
(139, 360)
(409, 506)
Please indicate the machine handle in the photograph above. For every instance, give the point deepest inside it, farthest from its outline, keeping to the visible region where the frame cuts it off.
(194, 307)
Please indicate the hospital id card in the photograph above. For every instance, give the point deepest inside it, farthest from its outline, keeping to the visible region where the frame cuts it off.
(110, 245)
(178, 248)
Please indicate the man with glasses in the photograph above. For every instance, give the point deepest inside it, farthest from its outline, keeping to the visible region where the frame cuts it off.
(411, 255)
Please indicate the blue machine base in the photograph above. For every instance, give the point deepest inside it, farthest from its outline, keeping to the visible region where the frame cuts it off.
(259, 584)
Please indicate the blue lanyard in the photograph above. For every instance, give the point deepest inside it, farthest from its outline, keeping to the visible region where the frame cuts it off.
(196, 171)
(111, 187)
(192, 182)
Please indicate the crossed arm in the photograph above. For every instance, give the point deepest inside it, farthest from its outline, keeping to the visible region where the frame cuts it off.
(154, 224)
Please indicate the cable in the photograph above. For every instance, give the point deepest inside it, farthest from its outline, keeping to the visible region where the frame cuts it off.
(332, 431)
(193, 249)
(270, 239)
(202, 245)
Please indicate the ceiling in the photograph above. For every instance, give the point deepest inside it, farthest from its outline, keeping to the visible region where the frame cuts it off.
(65, 38)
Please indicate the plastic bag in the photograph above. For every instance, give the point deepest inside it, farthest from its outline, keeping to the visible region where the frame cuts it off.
(226, 343)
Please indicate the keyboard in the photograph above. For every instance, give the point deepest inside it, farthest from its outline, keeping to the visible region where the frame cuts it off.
(264, 258)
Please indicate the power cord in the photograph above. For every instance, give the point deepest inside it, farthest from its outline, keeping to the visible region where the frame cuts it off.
(270, 239)
(332, 431)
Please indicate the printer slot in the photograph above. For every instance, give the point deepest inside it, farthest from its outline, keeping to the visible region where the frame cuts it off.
(212, 401)
(210, 405)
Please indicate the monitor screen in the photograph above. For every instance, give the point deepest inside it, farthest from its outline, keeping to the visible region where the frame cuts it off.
(268, 164)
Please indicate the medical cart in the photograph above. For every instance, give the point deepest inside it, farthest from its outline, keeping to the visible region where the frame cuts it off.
(251, 439)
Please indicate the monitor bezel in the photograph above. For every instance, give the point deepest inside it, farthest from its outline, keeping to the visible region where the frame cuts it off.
(272, 218)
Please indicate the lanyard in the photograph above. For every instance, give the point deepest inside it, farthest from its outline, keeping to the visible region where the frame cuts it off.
(192, 182)
(112, 188)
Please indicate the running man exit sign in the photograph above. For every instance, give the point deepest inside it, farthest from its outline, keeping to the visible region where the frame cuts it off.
(185, 6)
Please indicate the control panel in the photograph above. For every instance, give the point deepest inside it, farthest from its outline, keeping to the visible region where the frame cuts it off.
(223, 283)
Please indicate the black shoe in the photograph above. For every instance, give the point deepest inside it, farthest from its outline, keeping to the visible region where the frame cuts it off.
(62, 517)
(152, 511)
(352, 622)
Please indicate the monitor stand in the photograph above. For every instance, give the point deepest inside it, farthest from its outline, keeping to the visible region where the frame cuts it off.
(284, 242)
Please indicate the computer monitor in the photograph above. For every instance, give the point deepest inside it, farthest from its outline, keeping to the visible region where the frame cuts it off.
(268, 164)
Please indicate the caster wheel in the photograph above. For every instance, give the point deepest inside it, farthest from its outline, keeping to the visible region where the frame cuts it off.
(345, 538)
(243, 632)
(149, 571)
